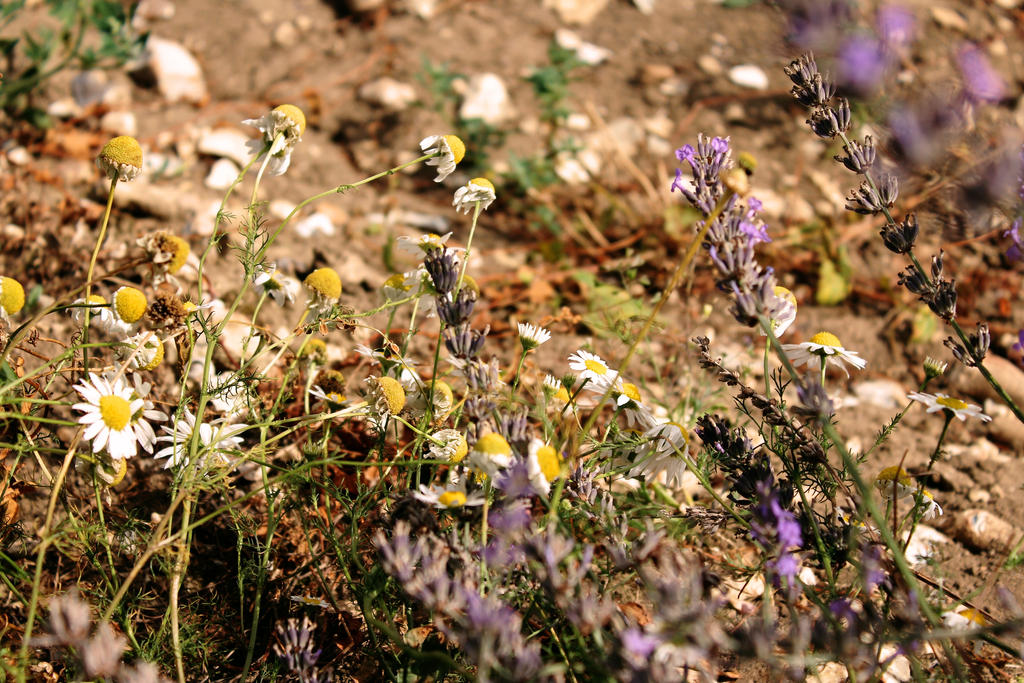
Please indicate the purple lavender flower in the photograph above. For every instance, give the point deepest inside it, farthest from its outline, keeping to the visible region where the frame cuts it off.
(862, 63)
(982, 83)
(776, 528)
(896, 26)
(1015, 250)
(639, 644)
(1019, 345)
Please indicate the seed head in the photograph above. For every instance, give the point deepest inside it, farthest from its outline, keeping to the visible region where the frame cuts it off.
(389, 393)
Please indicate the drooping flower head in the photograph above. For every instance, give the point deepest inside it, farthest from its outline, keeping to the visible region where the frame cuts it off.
(218, 441)
(784, 313)
(532, 336)
(476, 191)
(324, 287)
(121, 158)
(145, 349)
(491, 453)
(282, 129)
(448, 150)
(281, 289)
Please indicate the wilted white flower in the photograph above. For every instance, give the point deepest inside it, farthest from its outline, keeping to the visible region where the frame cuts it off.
(449, 150)
(665, 450)
(282, 129)
(217, 439)
(476, 191)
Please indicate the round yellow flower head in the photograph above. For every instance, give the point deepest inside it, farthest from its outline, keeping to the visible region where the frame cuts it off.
(325, 283)
(115, 411)
(951, 403)
(630, 391)
(452, 499)
(826, 339)
(294, 116)
(315, 351)
(785, 294)
(461, 450)
(390, 394)
(894, 477)
(12, 295)
(130, 304)
(176, 247)
(444, 399)
(96, 300)
(550, 462)
(469, 283)
(457, 146)
(483, 182)
(121, 158)
(157, 358)
(492, 444)
(737, 180)
(397, 281)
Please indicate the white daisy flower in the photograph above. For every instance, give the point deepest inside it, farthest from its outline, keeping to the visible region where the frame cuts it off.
(448, 444)
(423, 244)
(964, 619)
(532, 336)
(149, 353)
(894, 483)
(449, 150)
(491, 454)
(949, 405)
(217, 439)
(929, 507)
(108, 410)
(99, 312)
(785, 311)
(281, 289)
(557, 391)
(309, 601)
(128, 305)
(448, 496)
(282, 129)
(443, 400)
(544, 465)
(666, 450)
(823, 348)
(392, 364)
(330, 398)
(590, 366)
(142, 417)
(477, 190)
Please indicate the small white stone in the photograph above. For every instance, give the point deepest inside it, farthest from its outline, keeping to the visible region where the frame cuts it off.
(749, 76)
(486, 98)
(316, 224)
(588, 53)
(285, 35)
(19, 156)
(64, 108)
(389, 93)
(203, 220)
(645, 6)
(576, 11)
(89, 87)
(424, 9)
(156, 165)
(119, 123)
(228, 143)
(179, 78)
(303, 22)
(922, 544)
(577, 121)
(221, 175)
(280, 208)
(949, 18)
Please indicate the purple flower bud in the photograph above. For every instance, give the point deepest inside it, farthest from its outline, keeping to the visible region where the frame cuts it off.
(981, 82)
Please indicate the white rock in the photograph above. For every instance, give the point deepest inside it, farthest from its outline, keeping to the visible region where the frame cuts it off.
(949, 18)
(156, 165)
(19, 156)
(203, 220)
(316, 224)
(285, 35)
(710, 65)
(576, 11)
(221, 175)
(90, 87)
(424, 9)
(645, 6)
(749, 76)
(486, 98)
(660, 124)
(577, 121)
(659, 146)
(1008, 4)
(883, 393)
(365, 5)
(179, 78)
(64, 108)
(830, 672)
(120, 123)
(674, 86)
(588, 53)
(389, 93)
(570, 169)
(983, 530)
(228, 143)
(897, 666)
(303, 22)
(979, 496)
(922, 544)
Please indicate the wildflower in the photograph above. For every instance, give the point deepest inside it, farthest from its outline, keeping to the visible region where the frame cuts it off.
(12, 297)
(823, 349)
(315, 351)
(449, 496)
(295, 646)
(167, 251)
(544, 465)
(309, 601)
(121, 158)
(145, 349)
(775, 527)
(784, 312)
(108, 410)
(894, 482)
(129, 305)
(98, 309)
(477, 192)
(280, 289)
(448, 444)
(952, 407)
(448, 150)
(532, 336)
(70, 618)
(490, 454)
(282, 129)
(1016, 250)
(324, 287)
(982, 82)
(424, 244)
(443, 400)
(387, 396)
(933, 368)
(393, 364)
(964, 619)
(331, 398)
(666, 450)
(555, 388)
(589, 365)
(167, 310)
(928, 505)
(144, 415)
(216, 439)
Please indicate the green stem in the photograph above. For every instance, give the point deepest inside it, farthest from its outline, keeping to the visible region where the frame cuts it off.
(92, 268)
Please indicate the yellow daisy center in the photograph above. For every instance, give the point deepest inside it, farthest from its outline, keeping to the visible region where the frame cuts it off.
(595, 366)
(315, 348)
(12, 295)
(784, 293)
(973, 615)
(894, 473)
(492, 443)
(188, 306)
(457, 146)
(951, 403)
(115, 411)
(123, 149)
(631, 391)
(452, 499)
(178, 248)
(826, 339)
(549, 461)
(130, 304)
(393, 393)
(335, 397)
(460, 450)
(482, 182)
(293, 114)
(325, 282)
(158, 356)
(397, 281)
(96, 300)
